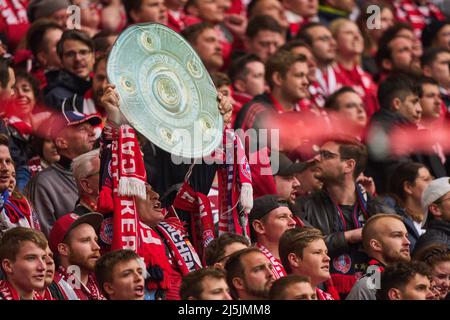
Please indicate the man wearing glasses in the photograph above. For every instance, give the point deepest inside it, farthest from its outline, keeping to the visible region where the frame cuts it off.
(76, 51)
(436, 204)
(341, 208)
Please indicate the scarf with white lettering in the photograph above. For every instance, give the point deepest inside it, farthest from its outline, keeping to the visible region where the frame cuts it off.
(123, 177)
(7, 292)
(184, 254)
(235, 186)
(199, 206)
(278, 269)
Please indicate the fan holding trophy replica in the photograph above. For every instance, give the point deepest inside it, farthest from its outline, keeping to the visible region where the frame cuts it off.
(166, 94)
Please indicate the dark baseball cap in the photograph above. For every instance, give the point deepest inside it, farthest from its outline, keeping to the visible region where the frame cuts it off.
(263, 205)
(286, 167)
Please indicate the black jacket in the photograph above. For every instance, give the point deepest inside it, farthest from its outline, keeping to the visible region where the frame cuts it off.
(321, 213)
(63, 85)
(242, 118)
(438, 232)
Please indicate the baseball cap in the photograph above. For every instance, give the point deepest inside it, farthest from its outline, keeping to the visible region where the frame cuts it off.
(67, 118)
(286, 167)
(263, 205)
(67, 223)
(436, 189)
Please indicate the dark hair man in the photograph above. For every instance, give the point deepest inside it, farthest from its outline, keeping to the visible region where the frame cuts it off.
(220, 249)
(406, 281)
(120, 275)
(292, 287)
(76, 52)
(341, 208)
(249, 275)
(205, 284)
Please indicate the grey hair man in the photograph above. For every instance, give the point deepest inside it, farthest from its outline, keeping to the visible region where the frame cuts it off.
(86, 172)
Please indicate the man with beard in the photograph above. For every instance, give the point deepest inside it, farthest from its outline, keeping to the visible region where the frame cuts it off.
(397, 52)
(204, 38)
(74, 240)
(249, 275)
(340, 209)
(385, 240)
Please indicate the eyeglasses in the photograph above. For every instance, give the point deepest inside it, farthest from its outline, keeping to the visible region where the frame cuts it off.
(324, 38)
(72, 54)
(327, 155)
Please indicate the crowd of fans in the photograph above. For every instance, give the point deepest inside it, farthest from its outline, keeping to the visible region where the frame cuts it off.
(351, 202)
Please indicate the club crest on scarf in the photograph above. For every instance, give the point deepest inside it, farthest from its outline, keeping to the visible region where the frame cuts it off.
(343, 263)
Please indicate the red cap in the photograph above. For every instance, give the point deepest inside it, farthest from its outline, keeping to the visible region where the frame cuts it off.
(68, 222)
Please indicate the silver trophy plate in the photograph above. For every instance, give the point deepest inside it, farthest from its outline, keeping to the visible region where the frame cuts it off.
(165, 91)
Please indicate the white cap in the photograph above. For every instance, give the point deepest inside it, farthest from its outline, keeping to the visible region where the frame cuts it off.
(436, 189)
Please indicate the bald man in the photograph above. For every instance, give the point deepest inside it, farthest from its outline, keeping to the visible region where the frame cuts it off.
(385, 240)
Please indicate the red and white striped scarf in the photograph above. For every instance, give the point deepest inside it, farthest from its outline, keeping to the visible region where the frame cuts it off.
(199, 206)
(7, 292)
(73, 289)
(418, 16)
(123, 178)
(278, 269)
(235, 185)
(322, 295)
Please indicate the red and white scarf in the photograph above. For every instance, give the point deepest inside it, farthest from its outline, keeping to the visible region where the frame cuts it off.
(7, 292)
(235, 185)
(183, 252)
(199, 206)
(322, 295)
(123, 177)
(278, 269)
(73, 289)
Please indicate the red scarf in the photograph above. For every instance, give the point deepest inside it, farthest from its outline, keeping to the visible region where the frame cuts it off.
(278, 269)
(7, 292)
(23, 128)
(73, 287)
(184, 254)
(199, 206)
(235, 185)
(322, 295)
(123, 176)
(47, 295)
(18, 211)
